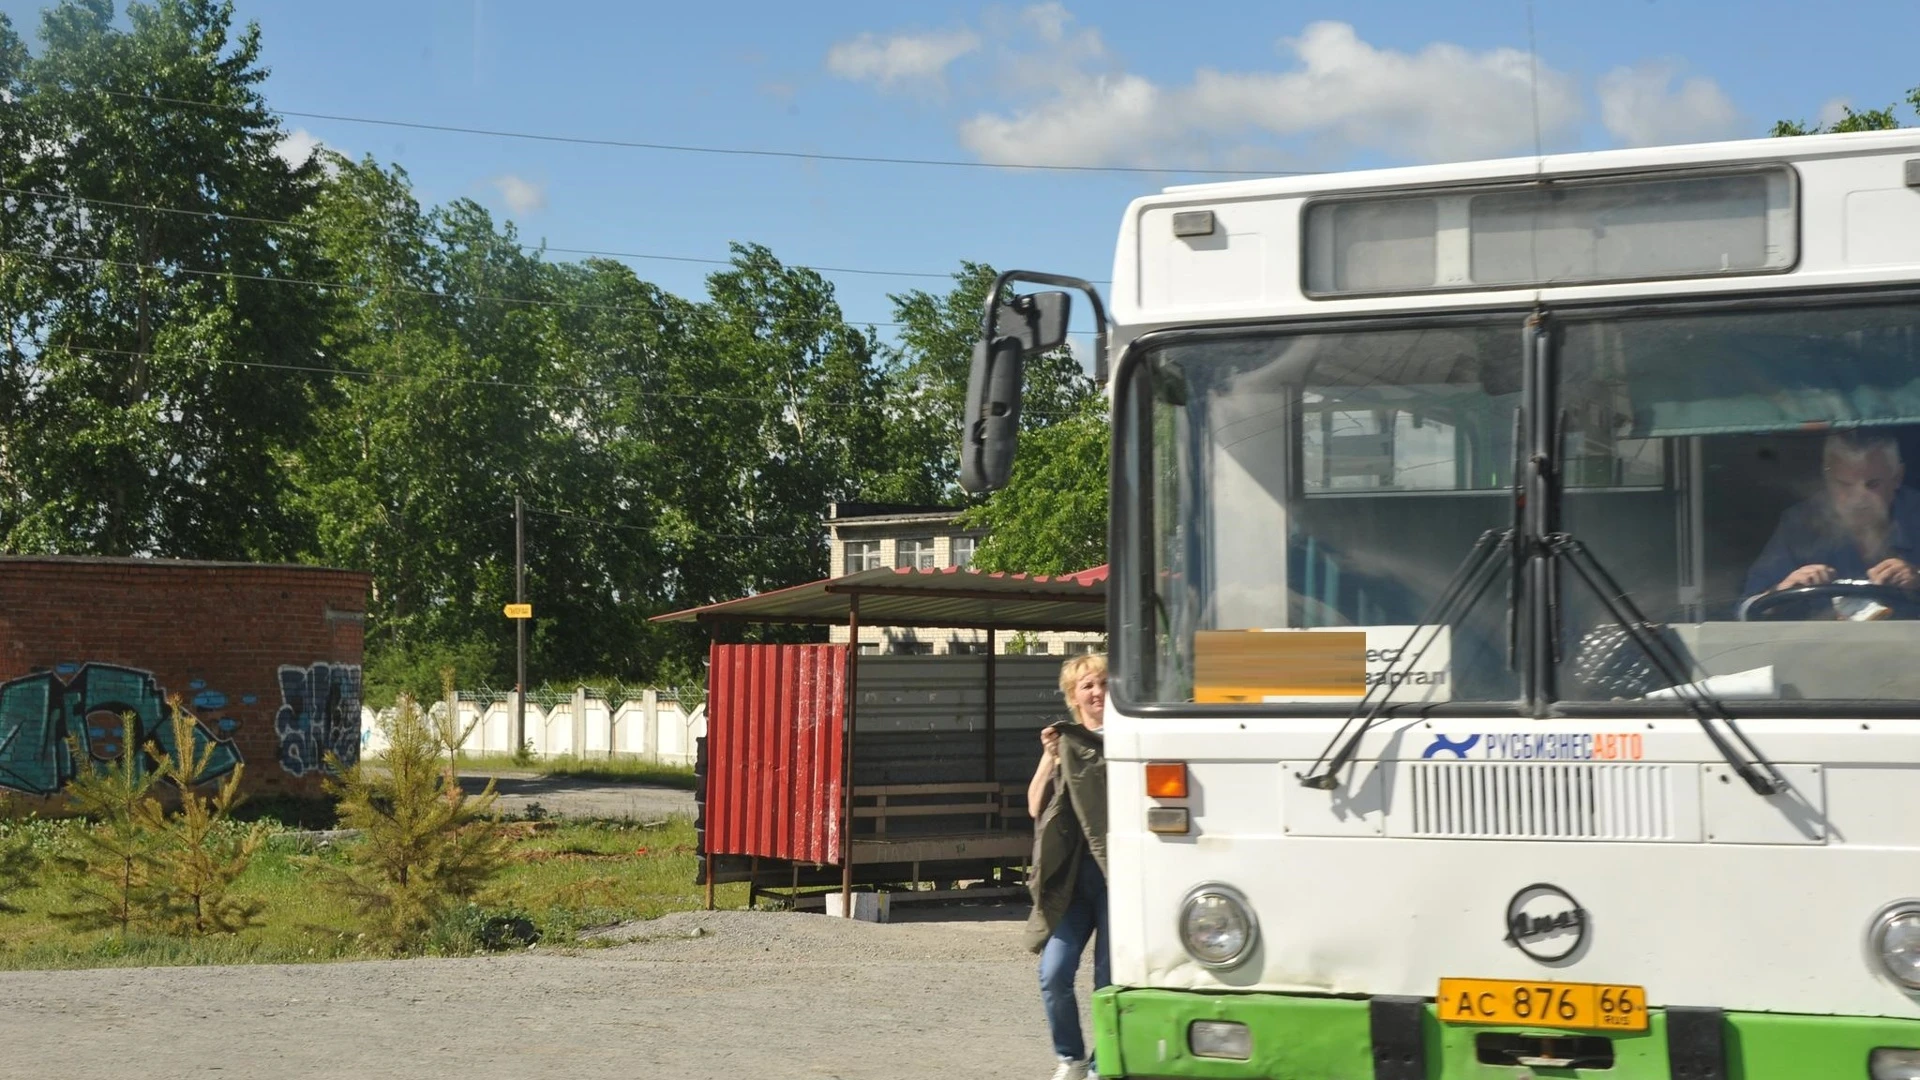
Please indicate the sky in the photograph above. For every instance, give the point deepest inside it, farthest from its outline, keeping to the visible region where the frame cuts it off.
(1153, 86)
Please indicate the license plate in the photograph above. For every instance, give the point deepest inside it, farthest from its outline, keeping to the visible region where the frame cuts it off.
(1582, 1006)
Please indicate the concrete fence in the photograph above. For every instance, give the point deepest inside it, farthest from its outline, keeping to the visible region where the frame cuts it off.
(655, 727)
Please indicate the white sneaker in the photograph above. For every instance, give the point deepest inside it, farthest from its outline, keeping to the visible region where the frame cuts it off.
(1071, 1070)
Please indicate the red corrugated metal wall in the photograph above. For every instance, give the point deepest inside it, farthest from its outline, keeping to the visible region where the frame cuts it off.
(775, 737)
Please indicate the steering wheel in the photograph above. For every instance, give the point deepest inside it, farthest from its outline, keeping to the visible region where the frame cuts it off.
(1805, 601)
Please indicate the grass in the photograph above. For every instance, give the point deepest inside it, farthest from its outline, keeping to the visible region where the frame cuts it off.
(564, 878)
(619, 770)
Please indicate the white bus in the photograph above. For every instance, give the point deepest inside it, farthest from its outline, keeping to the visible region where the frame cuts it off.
(1513, 616)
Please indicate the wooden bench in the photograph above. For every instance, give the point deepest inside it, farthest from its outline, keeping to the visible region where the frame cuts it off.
(884, 802)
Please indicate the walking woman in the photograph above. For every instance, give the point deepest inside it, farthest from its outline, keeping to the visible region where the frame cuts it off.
(1068, 800)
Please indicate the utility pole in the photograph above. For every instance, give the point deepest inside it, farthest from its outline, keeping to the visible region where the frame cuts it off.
(519, 725)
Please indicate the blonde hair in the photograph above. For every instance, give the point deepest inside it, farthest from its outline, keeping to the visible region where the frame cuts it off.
(1074, 670)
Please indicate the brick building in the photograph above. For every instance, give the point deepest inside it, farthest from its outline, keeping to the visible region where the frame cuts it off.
(866, 536)
(267, 657)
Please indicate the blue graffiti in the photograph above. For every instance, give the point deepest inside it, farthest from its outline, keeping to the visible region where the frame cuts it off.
(1457, 747)
(209, 699)
(319, 714)
(43, 717)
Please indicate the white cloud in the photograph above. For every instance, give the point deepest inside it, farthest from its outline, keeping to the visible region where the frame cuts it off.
(297, 146)
(1341, 95)
(902, 58)
(523, 196)
(1049, 20)
(1834, 111)
(1641, 107)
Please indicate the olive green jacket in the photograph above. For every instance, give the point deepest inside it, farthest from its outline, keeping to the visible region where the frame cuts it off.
(1074, 820)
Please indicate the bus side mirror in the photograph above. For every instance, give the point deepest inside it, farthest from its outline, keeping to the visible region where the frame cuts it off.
(993, 415)
(1038, 320)
(1022, 325)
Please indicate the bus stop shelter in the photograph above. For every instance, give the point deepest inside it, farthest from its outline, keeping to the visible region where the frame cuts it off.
(808, 772)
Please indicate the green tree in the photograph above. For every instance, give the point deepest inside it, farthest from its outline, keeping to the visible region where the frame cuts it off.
(1051, 518)
(139, 315)
(21, 278)
(803, 429)
(113, 872)
(424, 843)
(412, 468)
(1868, 120)
(926, 386)
(197, 854)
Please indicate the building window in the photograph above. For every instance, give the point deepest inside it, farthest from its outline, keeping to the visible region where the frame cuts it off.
(869, 648)
(963, 551)
(862, 555)
(913, 648)
(1081, 648)
(914, 554)
(967, 648)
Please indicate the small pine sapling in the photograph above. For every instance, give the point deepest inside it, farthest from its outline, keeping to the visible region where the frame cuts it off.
(199, 853)
(424, 843)
(112, 886)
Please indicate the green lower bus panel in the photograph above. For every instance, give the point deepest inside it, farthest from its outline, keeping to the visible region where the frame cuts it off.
(1143, 1035)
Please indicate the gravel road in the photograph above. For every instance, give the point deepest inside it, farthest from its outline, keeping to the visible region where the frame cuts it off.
(950, 993)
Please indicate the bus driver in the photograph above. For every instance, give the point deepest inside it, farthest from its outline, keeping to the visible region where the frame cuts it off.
(1863, 525)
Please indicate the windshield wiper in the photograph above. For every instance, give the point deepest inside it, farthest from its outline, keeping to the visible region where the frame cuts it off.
(1476, 571)
(1760, 774)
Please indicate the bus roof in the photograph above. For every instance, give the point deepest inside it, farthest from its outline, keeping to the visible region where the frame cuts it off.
(1762, 214)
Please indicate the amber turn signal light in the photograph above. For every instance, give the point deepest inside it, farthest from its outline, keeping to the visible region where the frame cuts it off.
(1167, 779)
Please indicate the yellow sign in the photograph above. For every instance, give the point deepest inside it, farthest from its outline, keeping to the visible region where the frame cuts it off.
(1579, 1006)
(519, 611)
(1248, 665)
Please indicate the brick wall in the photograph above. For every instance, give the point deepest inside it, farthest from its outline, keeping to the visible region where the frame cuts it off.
(267, 657)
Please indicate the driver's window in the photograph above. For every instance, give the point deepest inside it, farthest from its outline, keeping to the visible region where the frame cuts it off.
(1781, 552)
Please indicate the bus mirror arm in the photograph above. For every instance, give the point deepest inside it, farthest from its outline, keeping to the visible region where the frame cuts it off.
(1478, 570)
(1760, 774)
(1012, 328)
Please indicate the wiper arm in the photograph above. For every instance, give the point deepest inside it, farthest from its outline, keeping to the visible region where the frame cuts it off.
(1469, 582)
(1759, 773)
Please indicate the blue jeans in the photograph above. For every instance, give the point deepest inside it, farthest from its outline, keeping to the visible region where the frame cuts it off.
(1086, 916)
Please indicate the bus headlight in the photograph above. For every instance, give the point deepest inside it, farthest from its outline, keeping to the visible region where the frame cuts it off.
(1894, 942)
(1217, 926)
(1888, 1063)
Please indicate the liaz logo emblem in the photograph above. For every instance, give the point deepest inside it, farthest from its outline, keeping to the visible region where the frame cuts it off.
(1546, 922)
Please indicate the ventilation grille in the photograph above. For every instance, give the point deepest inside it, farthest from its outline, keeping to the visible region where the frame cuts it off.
(1528, 801)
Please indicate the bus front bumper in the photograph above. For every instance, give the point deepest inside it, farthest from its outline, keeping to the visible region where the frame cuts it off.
(1144, 1034)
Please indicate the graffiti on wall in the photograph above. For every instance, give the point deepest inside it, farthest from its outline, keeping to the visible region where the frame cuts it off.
(43, 715)
(319, 715)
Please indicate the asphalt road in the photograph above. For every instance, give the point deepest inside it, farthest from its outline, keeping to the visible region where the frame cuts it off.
(567, 797)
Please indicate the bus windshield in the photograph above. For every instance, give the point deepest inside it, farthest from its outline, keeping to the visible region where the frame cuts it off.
(1296, 501)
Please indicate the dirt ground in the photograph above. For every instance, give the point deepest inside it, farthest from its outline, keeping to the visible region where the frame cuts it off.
(936, 993)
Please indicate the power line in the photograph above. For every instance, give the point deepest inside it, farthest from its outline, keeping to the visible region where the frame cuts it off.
(857, 159)
(584, 519)
(230, 275)
(283, 222)
(499, 384)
